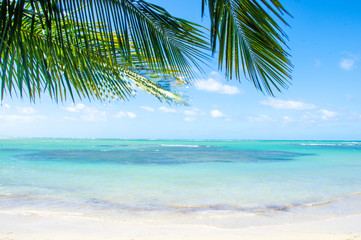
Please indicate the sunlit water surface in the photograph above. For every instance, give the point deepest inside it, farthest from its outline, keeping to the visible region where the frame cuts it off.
(110, 179)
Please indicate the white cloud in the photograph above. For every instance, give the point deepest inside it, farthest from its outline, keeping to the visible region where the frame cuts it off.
(347, 63)
(88, 113)
(212, 85)
(149, 109)
(167, 110)
(327, 115)
(290, 104)
(7, 106)
(189, 119)
(76, 108)
(192, 114)
(319, 115)
(287, 119)
(260, 118)
(94, 115)
(131, 114)
(24, 114)
(122, 114)
(217, 114)
(26, 110)
(309, 117)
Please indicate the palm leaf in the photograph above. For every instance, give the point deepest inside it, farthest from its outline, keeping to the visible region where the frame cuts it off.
(250, 41)
(96, 49)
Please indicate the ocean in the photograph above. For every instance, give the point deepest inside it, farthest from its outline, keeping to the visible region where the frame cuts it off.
(202, 181)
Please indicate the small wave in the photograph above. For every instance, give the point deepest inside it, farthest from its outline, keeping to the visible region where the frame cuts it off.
(352, 143)
(242, 209)
(335, 145)
(316, 204)
(318, 144)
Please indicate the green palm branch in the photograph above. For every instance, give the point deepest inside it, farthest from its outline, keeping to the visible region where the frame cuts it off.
(103, 49)
(95, 49)
(250, 41)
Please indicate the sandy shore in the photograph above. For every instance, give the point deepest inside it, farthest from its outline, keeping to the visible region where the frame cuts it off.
(37, 227)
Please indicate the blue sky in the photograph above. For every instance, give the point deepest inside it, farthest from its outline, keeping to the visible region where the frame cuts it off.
(323, 102)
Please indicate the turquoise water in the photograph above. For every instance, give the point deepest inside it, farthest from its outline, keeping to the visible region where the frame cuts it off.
(107, 177)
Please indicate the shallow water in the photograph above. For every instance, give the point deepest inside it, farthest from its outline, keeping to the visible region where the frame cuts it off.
(109, 178)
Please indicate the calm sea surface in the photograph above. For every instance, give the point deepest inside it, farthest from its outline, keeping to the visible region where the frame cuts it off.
(110, 178)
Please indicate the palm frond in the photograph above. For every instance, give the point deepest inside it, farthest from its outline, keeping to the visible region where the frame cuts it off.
(95, 49)
(250, 41)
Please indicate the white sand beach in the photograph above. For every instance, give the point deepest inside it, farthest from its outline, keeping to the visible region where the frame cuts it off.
(15, 226)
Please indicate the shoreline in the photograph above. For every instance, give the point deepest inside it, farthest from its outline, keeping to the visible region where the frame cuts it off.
(16, 226)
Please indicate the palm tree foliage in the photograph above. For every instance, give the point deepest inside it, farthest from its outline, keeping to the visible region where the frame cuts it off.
(104, 48)
(250, 41)
(94, 48)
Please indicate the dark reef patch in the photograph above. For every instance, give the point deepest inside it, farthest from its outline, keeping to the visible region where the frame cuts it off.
(160, 155)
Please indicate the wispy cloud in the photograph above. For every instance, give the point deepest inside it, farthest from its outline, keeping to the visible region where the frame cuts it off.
(6, 106)
(192, 114)
(91, 114)
(167, 110)
(76, 108)
(217, 114)
(26, 110)
(190, 119)
(287, 119)
(320, 115)
(22, 114)
(94, 115)
(146, 108)
(347, 64)
(260, 118)
(213, 85)
(287, 104)
(327, 114)
(122, 114)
